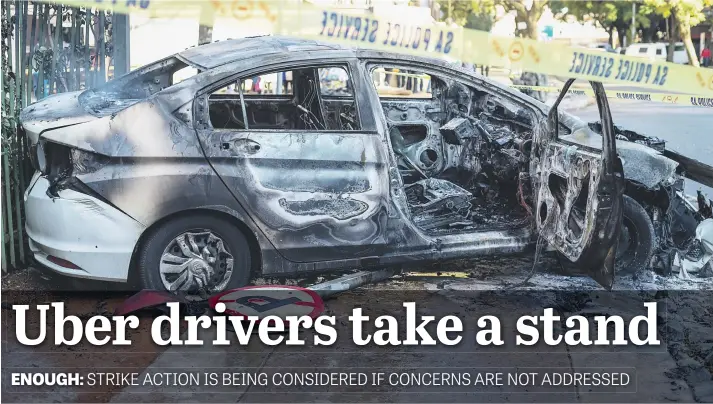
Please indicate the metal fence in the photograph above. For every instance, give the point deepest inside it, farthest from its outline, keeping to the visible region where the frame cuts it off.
(46, 49)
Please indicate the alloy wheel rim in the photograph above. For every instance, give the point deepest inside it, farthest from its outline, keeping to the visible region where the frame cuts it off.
(196, 261)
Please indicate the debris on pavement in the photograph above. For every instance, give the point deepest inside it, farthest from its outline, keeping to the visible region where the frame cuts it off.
(698, 258)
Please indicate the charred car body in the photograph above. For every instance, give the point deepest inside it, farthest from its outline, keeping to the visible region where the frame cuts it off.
(201, 183)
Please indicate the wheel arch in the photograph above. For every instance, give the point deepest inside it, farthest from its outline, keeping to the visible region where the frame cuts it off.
(220, 212)
(646, 197)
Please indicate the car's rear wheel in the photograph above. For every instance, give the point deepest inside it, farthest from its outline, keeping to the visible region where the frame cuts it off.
(193, 254)
(636, 241)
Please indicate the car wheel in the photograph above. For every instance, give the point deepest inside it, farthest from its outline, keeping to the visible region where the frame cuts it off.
(193, 253)
(636, 241)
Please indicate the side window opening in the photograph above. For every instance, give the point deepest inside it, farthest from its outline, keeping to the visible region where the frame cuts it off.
(312, 98)
(401, 83)
(183, 74)
(135, 86)
(659, 51)
(335, 82)
(643, 49)
(337, 93)
(277, 83)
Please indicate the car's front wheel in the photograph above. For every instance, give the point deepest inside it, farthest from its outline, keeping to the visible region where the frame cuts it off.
(193, 254)
(636, 241)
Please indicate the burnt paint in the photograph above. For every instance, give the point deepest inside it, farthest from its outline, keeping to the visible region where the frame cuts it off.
(152, 146)
(298, 184)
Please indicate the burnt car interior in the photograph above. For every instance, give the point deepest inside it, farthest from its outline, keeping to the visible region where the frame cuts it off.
(463, 154)
(300, 99)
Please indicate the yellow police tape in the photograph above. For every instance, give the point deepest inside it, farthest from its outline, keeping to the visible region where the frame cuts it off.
(363, 29)
(680, 99)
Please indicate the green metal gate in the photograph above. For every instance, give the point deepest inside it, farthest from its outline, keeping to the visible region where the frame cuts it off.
(47, 48)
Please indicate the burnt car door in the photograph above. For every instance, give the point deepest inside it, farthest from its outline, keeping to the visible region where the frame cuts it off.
(578, 191)
(299, 155)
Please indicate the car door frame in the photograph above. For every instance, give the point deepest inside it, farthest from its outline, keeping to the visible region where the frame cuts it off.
(599, 251)
(406, 239)
(595, 250)
(289, 240)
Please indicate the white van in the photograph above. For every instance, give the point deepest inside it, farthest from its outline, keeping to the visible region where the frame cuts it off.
(658, 51)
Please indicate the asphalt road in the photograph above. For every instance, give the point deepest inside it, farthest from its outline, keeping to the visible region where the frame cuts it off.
(688, 130)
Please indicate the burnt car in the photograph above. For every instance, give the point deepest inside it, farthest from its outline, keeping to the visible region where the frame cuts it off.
(279, 156)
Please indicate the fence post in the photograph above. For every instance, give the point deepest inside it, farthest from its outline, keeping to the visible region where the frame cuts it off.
(121, 38)
(69, 70)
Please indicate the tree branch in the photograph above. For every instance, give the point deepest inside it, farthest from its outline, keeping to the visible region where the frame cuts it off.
(515, 5)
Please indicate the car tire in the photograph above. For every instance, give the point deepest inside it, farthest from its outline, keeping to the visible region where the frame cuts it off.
(636, 243)
(637, 254)
(235, 244)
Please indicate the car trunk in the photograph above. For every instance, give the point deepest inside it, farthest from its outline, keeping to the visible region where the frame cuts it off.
(55, 111)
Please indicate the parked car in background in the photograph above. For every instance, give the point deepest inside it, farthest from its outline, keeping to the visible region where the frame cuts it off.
(604, 47)
(658, 51)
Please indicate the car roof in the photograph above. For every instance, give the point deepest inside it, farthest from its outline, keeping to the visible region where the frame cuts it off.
(220, 53)
(232, 52)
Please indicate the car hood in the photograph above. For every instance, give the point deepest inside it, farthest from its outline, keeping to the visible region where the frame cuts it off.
(55, 111)
(641, 163)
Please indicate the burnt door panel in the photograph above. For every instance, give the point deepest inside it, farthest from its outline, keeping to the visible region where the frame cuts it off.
(578, 193)
(316, 195)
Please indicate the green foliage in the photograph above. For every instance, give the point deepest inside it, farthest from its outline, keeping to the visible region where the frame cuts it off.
(528, 13)
(473, 14)
(690, 11)
(481, 21)
(604, 13)
(480, 14)
(685, 13)
(613, 15)
(708, 12)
